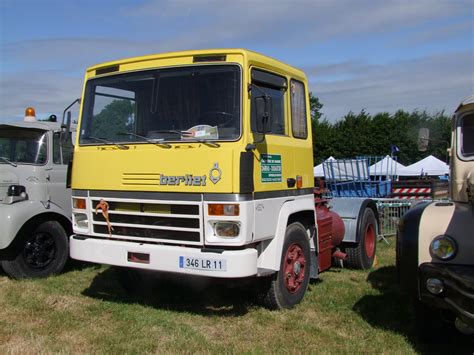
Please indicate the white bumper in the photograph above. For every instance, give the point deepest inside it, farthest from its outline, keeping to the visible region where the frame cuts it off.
(239, 263)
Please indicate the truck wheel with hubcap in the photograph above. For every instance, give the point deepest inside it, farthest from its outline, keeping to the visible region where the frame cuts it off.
(288, 286)
(363, 256)
(43, 253)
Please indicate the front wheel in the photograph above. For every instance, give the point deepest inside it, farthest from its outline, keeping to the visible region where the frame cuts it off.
(288, 286)
(43, 253)
(363, 256)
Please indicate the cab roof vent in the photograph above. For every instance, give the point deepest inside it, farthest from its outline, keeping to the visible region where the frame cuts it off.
(209, 58)
(106, 70)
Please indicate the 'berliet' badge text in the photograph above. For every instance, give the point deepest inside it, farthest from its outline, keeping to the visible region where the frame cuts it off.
(187, 180)
(192, 180)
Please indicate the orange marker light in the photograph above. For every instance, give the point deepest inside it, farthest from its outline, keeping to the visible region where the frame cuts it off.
(30, 114)
(299, 181)
(30, 111)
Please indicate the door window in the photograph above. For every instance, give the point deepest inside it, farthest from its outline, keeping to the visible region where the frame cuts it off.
(264, 83)
(298, 110)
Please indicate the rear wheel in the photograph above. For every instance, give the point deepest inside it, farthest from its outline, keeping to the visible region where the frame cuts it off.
(43, 253)
(288, 286)
(363, 256)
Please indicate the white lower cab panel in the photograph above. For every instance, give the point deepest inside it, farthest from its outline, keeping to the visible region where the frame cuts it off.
(185, 260)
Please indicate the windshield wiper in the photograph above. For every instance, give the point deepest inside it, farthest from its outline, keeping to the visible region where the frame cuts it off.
(8, 161)
(189, 138)
(118, 145)
(158, 142)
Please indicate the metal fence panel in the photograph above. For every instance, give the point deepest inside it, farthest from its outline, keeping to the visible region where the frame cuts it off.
(390, 212)
(354, 178)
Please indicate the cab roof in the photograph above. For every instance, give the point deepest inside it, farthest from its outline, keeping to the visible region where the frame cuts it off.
(249, 55)
(44, 125)
(466, 101)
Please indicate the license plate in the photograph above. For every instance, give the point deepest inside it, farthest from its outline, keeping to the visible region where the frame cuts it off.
(202, 264)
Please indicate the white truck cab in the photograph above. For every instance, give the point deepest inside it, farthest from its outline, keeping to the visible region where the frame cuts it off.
(435, 242)
(35, 207)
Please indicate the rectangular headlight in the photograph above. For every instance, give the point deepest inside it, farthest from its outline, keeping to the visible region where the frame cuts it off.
(81, 221)
(226, 229)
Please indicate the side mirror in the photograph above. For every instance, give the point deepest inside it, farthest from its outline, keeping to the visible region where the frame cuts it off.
(423, 139)
(263, 109)
(66, 129)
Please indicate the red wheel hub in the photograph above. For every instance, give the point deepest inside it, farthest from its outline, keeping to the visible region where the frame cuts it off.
(369, 241)
(294, 268)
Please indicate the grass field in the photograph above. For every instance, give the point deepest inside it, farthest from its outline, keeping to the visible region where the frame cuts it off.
(85, 310)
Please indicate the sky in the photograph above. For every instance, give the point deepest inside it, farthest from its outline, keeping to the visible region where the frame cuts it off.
(372, 55)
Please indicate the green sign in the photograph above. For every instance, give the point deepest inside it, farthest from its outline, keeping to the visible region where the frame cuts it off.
(271, 167)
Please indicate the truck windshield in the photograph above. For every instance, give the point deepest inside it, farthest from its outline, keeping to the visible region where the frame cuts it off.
(195, 103)
(467, 135)
(22, 145)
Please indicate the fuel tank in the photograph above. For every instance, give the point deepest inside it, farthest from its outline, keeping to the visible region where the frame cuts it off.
(330, 234)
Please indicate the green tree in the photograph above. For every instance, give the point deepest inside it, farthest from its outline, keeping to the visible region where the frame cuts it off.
(315, 107)
(116, 117)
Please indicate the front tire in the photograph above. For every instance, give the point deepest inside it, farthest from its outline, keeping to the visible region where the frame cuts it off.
(41, 254)
(288, 286)
(363, 256)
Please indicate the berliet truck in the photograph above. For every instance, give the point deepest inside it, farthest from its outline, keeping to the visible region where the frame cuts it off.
(201, 163)
(35, 204)
(435, 241)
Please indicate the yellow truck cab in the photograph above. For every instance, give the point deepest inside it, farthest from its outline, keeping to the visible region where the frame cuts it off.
(197, 162)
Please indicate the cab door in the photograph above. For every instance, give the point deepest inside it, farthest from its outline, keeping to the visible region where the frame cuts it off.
(274, 169)
(61, 154)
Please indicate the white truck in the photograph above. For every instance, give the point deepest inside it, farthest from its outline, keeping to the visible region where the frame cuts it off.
(435, 241)
(35, 207)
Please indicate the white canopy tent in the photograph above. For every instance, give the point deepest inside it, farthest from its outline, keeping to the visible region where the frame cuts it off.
(318, 170)
(386, 166)
(430, 165)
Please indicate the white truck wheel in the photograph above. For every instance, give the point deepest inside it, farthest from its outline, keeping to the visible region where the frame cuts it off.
(43, 253)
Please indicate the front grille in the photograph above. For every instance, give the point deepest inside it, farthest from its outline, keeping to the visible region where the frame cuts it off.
(149, 220)
(150, 233)
(155, 221)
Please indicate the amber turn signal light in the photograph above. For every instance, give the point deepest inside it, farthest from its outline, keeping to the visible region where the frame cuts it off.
(79, 203)
(218, 209)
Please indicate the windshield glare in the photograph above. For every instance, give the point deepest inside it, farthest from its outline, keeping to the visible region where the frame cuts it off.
(23, 146)
(173, 104)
